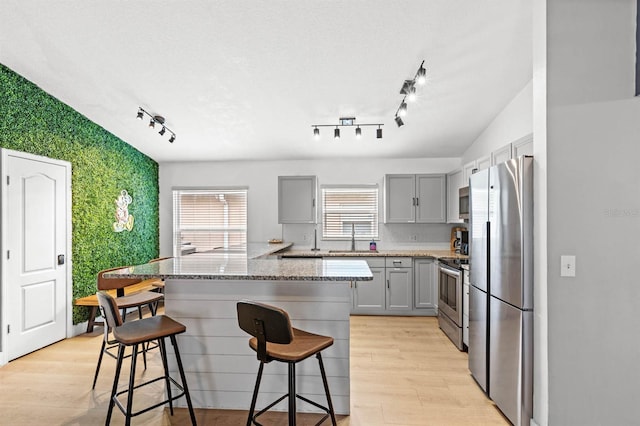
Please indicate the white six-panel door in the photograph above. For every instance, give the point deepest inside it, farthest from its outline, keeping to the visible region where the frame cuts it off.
(35, 252)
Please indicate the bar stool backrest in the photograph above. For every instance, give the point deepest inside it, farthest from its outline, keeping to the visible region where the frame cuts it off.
(109, 309)
(266, 323)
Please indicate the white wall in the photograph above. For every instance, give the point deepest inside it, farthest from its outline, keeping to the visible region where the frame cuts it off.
(262, 179)
(593, 206)
(513, 122)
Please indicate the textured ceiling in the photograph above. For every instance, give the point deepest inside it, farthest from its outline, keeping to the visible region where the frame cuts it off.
(246, 79)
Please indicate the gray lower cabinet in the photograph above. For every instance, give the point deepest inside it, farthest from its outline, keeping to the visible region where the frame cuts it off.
(394, 288)
(369, 296)
(399, 283)
(425, 278)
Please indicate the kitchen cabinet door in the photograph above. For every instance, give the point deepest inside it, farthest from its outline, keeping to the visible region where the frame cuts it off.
(399, 289)
(399, 198)
(424, 276)
(467, 170)
(523, 146)
(369, 296)
(454, 183)
(501, 155)
(431, 195)
(297, 199)
(483, 162)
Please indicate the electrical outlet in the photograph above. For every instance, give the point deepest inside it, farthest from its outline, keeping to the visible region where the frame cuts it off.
(305, 237)
(567, 266)
(413, 237)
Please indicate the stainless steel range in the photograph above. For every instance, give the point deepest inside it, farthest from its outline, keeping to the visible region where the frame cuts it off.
(450, 298)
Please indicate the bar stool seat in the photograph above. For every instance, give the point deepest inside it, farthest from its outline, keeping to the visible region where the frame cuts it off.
(138, 333)
(274, 339)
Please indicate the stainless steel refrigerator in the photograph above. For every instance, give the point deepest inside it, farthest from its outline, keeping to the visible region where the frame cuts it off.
(501, 291)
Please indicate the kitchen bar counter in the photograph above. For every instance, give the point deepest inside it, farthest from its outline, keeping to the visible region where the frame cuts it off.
(202, 290)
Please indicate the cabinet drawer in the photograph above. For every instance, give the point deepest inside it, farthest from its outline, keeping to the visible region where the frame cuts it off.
(399, 262)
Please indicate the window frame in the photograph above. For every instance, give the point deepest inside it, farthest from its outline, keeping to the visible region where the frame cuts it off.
(373, 224)
(176, 231)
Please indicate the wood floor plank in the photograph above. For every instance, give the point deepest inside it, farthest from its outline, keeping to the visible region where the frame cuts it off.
(404, 371)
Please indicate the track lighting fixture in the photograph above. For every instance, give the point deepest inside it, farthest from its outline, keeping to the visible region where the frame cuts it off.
(153, 119)
(409, 91)
(345, 122)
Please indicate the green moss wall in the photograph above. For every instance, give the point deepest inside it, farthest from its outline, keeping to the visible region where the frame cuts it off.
(102, 165)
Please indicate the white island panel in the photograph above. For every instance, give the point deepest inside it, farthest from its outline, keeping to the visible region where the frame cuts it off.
(221, 368)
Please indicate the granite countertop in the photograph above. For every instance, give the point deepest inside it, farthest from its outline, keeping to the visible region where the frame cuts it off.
(248, 264)
(380, 253)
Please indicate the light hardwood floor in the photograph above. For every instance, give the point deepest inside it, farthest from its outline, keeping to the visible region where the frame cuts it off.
(404, 371)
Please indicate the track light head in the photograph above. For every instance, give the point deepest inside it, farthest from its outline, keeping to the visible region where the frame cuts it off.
(421, 76)
(336, 133)
(379, 133)
(172, 138)
(140, 114)
(152, 123)
(402, 111)
(411, 96)
(358, 132)
(162, 131)
(316, 133)
(399, 121)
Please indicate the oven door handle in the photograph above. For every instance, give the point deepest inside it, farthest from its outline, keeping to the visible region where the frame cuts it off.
(450, 271)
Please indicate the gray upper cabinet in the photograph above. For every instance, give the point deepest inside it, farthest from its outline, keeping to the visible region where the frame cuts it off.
(454, 183)
(415, 198)
(297, 199)
(523, 146)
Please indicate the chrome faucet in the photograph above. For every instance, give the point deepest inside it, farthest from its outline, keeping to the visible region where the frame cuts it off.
(353, 237)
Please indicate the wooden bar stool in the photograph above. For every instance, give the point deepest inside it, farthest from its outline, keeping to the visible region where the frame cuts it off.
(138, 300)
(138, 333)
(275, 340)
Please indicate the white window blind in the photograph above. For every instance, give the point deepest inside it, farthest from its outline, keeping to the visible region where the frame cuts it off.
(347, 207)
(206, 219)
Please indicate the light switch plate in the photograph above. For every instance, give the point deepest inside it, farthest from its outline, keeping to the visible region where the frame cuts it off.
(567, 266)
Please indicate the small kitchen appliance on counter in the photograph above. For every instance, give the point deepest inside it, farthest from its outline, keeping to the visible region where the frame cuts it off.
(460, 240)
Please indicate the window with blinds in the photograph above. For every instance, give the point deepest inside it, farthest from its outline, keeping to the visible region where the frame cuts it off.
(207, 219)
(347, 208)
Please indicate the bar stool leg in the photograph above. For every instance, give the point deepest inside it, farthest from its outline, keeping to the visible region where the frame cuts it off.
(184, 380)
(256, 388)
(326, 389)
(292, 394)
(95, 376)
(114, 389)
(163, 355)
(132, 377)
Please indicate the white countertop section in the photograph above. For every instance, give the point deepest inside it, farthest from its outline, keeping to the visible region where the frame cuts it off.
(248, 265)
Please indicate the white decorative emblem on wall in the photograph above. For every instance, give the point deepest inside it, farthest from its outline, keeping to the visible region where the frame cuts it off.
(124, 220)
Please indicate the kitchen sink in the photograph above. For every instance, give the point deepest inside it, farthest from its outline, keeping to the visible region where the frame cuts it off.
(352, 251)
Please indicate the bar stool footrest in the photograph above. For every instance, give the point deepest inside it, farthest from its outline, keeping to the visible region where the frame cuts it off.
(307, 400)
(173, 398)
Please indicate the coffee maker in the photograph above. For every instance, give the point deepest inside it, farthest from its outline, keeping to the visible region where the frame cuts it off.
(460, 240)
(463, 237)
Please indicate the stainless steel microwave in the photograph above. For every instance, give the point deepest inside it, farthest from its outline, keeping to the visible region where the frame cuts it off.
(463, 202)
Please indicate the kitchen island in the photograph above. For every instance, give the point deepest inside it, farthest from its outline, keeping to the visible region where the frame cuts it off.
(201, 291)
